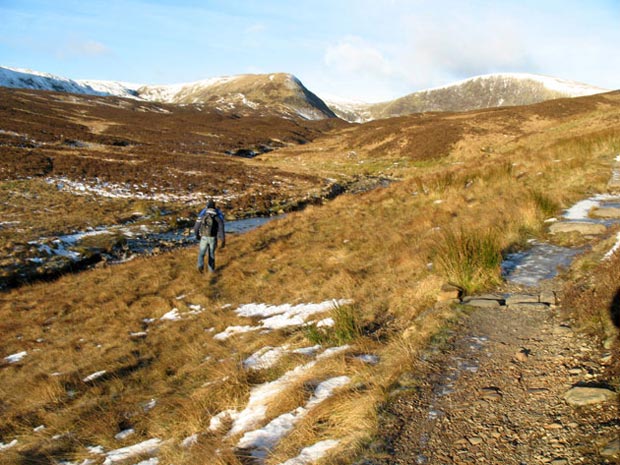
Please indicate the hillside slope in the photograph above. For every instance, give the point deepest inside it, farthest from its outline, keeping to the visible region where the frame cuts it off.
(301, 337)
(273, 94)
(489, 91)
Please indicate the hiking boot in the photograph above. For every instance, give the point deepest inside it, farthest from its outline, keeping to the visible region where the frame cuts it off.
(200, 270)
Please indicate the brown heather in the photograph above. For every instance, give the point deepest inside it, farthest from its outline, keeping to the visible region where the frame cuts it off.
(501, 171)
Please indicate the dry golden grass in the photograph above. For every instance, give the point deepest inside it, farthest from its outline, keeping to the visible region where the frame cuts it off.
(374, 248)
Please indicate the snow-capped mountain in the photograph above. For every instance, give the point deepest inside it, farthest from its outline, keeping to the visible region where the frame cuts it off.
(28, 79)
(488, 91)
(281, 94)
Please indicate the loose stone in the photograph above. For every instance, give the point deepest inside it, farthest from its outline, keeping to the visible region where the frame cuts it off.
(581, 396)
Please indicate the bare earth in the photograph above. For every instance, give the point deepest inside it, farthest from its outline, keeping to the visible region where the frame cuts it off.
(493, 393)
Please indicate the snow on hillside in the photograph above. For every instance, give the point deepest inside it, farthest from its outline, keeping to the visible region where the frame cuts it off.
(118, 89)
(169, 92)
(565, 86)
(28, 79)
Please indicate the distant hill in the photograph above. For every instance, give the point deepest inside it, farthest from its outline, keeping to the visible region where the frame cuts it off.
(489, 91)
(283, 95)
(269, 94)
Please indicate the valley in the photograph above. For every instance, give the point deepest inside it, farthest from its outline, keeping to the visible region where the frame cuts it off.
(317, 326)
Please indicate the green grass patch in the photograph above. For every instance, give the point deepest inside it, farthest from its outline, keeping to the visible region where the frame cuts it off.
(346, 328)
(469, 259)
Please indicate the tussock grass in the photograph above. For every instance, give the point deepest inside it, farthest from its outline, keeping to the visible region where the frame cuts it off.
(470, 260)
(346, 328)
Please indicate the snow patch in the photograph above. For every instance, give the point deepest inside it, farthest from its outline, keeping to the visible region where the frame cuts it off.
(15, 358)
(124, 434)
(263, 440)
(570, 88)
(279, 316)
(172, 315)
(580, 210)
(264, 358)
(232, 330)
(613, 250)
(3, 446)
(94, 376)
(268, 356)
(190, 441)
(368, 358)
(312, 453)
(96, 450)
(261, 395)
(149, 447)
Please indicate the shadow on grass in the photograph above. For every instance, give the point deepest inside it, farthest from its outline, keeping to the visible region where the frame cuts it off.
(614, 309)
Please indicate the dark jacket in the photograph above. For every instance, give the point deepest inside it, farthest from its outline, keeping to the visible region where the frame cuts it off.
(218, 217)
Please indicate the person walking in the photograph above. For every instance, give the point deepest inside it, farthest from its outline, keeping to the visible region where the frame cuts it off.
(208, 228)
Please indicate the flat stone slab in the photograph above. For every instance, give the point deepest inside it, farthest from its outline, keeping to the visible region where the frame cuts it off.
(581, 227)
(605, 212)
(483, 303)
(522, 298)
(580, 396)
(547, 297)
(527, 306)
(498, 297)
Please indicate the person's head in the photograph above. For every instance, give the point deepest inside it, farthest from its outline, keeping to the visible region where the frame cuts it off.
(210, 204)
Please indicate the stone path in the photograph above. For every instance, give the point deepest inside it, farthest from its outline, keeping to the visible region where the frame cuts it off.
(511, 383)
(512, 386)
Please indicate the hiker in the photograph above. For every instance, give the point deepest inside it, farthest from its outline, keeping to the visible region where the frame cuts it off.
(209, 226)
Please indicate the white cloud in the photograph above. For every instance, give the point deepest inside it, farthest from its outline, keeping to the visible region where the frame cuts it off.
(460, 46)
(256, 28)
(82, 48)
(354, 55)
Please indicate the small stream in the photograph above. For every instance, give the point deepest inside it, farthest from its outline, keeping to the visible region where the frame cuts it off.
(540, 262)
(52, 256)
(146, 242)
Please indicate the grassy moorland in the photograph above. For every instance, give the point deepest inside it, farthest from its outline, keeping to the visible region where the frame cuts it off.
(472, 186)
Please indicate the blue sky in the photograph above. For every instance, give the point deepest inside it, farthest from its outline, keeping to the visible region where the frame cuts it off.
(355, 49)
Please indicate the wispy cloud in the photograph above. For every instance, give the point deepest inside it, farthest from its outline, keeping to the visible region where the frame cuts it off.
(353, 54)
(82, 48)
(459, 46)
